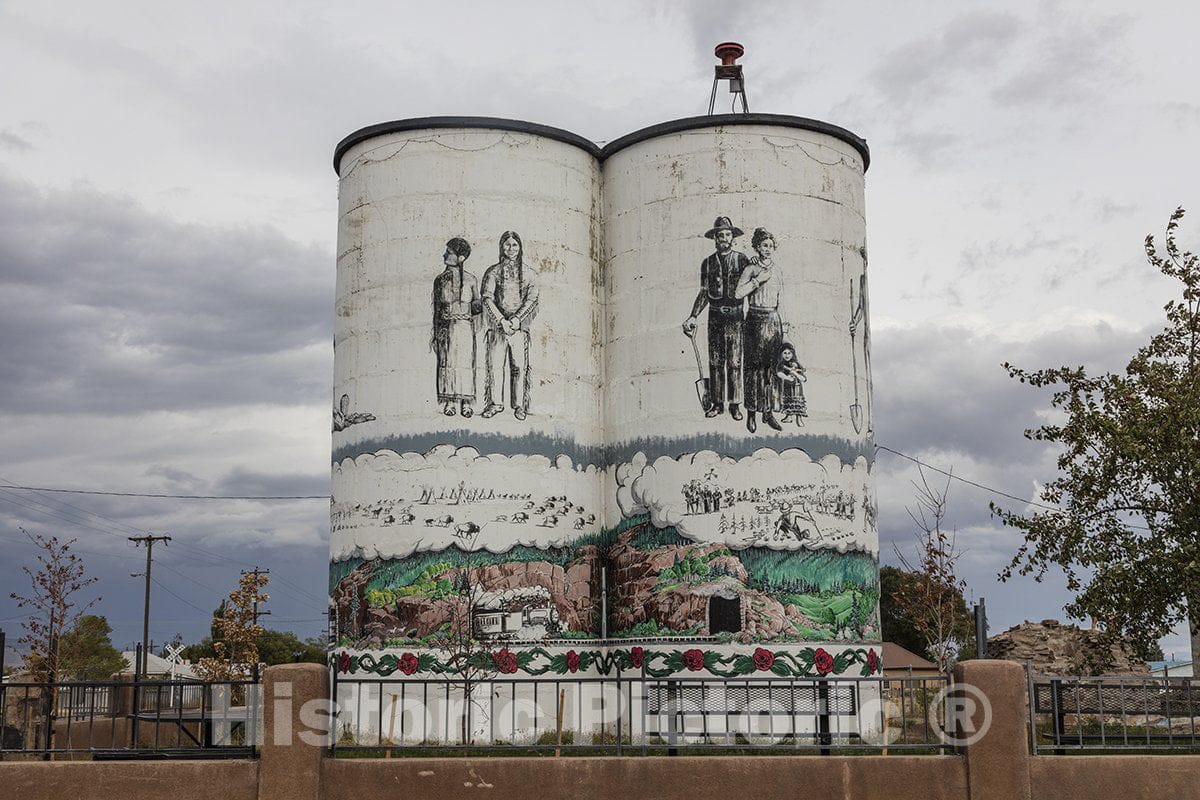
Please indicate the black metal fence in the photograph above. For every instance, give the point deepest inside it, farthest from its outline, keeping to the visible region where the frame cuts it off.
(131, 719)
(1141, 713)
(639, 715)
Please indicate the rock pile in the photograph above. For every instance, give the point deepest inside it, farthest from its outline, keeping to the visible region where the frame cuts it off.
(1058, 649)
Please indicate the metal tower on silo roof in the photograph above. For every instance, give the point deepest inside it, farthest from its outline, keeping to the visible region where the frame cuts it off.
(729, 70)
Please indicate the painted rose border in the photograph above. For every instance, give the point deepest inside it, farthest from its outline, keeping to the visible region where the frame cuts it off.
(804, 663)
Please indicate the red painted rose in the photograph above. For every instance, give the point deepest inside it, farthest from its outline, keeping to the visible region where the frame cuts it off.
(408, 663)
(505, 661)
(344, 662)
(872, 662)
(572, 660)
(693, 660)
(763, 659)
(637, 657)
(822, 661)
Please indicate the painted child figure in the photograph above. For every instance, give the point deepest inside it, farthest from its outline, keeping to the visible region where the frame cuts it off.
(791, 377)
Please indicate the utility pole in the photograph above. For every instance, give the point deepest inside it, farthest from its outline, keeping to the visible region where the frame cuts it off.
(149, 541)
(256, 572)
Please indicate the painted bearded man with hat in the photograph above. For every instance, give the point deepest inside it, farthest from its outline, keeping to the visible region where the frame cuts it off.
(719, 275)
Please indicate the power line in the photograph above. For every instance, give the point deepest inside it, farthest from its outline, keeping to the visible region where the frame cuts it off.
(73, 519)
(181, 599)
(170, 496)
(297, 596)
(41, 508)
(129, 528)
(74, 549)
(921, 463)
(985, 488)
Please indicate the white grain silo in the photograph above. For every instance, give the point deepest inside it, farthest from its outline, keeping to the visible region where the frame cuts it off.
(664, 378)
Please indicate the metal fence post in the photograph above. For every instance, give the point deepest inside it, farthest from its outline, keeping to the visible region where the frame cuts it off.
(620, 711)
(823, 735)
(672, 709)
(137, 698)
(333, 738)
(1060, 716)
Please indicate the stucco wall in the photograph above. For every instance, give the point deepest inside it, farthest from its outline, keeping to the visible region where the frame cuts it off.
(130, 780)
(695, 778)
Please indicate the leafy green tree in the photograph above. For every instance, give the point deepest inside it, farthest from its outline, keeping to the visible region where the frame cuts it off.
(274, 647)
(86, 652)
(1125, 519)
(283, 647)
(899, 628)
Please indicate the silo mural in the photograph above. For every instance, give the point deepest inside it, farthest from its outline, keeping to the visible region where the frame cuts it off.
(737, 395)
(649, 362)
(466, 481)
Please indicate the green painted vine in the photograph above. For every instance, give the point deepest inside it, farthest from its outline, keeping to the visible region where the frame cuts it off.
(809, 662)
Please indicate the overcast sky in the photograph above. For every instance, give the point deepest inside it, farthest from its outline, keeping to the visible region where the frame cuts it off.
(168, 216)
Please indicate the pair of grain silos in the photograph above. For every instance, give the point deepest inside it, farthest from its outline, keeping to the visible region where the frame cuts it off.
(603, 409)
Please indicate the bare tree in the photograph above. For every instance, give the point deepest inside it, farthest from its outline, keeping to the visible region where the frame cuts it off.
(469, 659)
(932, 601)
(53, 583)
(236, 632)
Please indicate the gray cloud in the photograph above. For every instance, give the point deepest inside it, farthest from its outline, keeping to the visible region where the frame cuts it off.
(1035, 259)
(710, 22)
(1108, 209)
(929, 146)
(909, 85)
(1182, 115)
(9, 140)
(249, 482)
(925, 69)
(1071, 63)
(942, 389)
(109, 308)
(942, 397)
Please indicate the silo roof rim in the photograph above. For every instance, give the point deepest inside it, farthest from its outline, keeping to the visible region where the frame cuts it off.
(561, 135)
(723, 120)
(488, 123)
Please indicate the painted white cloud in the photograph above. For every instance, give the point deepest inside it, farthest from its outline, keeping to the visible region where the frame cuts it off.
(391, 505)
(767, 499)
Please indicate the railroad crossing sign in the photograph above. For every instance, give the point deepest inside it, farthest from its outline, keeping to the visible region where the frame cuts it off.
(174, 655)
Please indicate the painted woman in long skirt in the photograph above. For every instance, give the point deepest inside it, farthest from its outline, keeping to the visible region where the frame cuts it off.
(762, 331)
(457, 312)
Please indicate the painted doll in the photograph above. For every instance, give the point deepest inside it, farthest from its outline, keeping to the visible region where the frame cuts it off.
(791, 377)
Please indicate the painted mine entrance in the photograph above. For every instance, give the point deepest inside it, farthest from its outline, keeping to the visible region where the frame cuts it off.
(724, 615)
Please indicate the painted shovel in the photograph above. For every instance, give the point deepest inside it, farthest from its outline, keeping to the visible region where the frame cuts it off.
(703, 386)
(856, 415)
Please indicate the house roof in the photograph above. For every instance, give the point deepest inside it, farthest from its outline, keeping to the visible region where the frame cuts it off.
(156, 665)
(1172, 669)
(896, 657)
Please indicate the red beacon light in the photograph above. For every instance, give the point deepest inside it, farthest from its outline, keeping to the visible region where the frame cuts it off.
(729, 53)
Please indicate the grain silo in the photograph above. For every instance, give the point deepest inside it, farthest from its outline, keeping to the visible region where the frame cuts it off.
(603, 410)
(467, 376)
